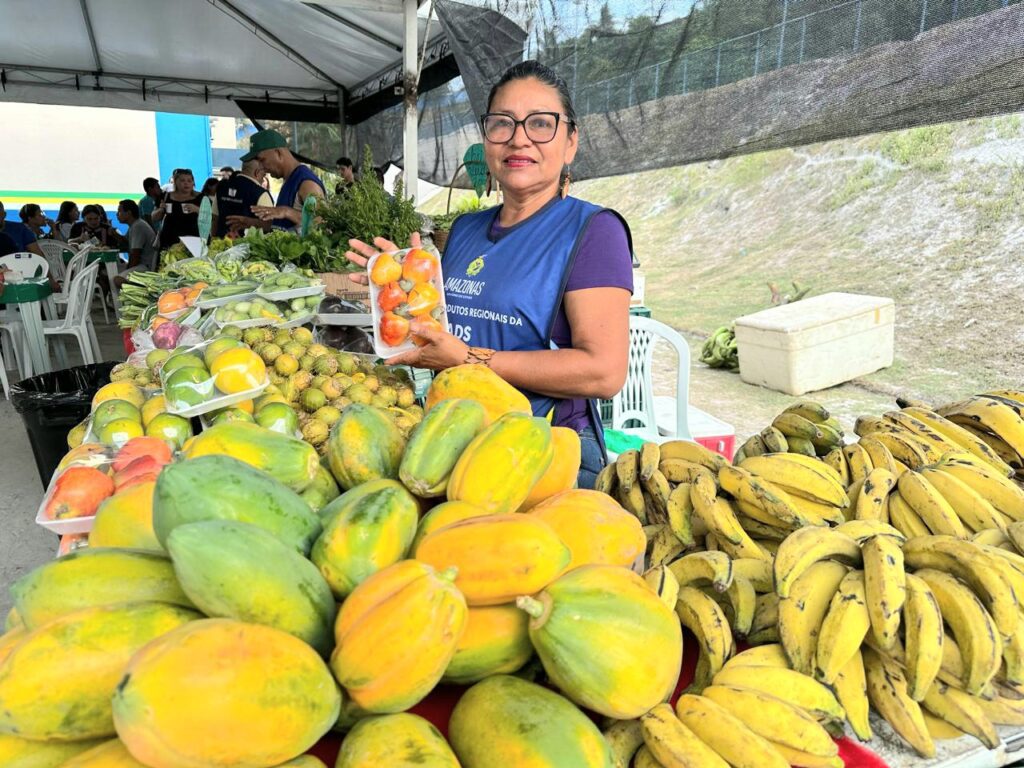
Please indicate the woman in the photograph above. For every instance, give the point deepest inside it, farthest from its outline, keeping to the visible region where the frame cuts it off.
(32, 216)
(179, 210)
(67, 217)
(555, 269)
(210, 188)
(92, 226)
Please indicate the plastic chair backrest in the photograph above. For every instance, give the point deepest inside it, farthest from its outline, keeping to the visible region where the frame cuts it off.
(80, 296)
(635, 402)
(54, 251)
(26, 264)
(73, 268)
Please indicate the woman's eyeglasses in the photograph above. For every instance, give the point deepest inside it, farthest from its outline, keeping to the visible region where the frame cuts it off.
(540, 127)
(182, 172)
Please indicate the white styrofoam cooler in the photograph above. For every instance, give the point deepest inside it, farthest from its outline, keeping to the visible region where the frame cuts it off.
(816, 343)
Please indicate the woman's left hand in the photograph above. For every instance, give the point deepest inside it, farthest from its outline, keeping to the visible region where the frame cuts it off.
(442, 350)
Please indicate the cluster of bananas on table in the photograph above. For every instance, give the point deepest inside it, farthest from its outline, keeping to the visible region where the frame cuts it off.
(719, 349)
(805, 427)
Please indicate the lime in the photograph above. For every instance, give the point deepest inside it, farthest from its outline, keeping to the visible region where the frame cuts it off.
(170, 428)
(120, 390)
(188, 387)
(231, 414)
(117, 432)
(278, 417)
(182, 360)
(218, 345)
(157, 356)
(111, 410)
(154, 406)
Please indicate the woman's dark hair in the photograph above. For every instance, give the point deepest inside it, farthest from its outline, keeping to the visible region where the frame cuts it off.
(103, 213)
(533, 68)
(64, 214)
(28, 211)
(210, 185)
(92, 209)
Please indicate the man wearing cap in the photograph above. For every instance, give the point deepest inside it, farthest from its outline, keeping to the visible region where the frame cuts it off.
(271, 149)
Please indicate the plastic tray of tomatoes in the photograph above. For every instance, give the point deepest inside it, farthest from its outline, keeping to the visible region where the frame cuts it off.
(406, 294)
(201, 388)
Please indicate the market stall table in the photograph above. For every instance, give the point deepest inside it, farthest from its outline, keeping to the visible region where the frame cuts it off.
(29, 295)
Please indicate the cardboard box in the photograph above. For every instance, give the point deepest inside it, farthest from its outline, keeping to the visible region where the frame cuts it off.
(816, 343)
(339, 284)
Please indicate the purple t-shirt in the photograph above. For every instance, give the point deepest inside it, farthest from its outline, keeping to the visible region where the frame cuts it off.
(602, 261)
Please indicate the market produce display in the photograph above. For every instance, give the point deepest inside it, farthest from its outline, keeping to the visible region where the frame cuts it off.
(407, 295)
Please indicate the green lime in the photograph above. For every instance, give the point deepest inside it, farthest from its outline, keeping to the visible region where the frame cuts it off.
(182, 360)
(111, 410)
(170, 428)
(117, 432)
(218, 345)
(231, 414)
(278, 417)
(188, 387)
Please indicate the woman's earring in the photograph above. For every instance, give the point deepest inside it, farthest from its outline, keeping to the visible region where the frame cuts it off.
(487, 192)
(566, 181)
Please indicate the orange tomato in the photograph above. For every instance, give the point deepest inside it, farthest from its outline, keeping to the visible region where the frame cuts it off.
(394, 329)
(423, 298)
(385, 270)
(419, 266)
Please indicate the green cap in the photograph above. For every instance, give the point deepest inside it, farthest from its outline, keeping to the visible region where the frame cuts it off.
(262, 140)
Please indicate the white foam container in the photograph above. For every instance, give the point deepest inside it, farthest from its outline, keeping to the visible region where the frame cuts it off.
(220, 301)
(70, 524)
(816, 343)
(292, 293)
(300, 320)
(382, 349)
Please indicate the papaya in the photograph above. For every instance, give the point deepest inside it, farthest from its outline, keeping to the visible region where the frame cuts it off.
(436, 444)
(8, 640)
(591, 609)
(126, 520)
(86, 454)
(109, 754)
(498, 557)
(92, 577)
(396, 634)
(496, 641)
(12, 620)
(58, 680)
(16, 752)
(402, 740)
(322, 490)
(478, 382)
(500, 466)
(504, 721)
(445, 514)
(220, 487)
(367, 528)
(304, 761)
(561, 474)
(597, 530)
(220, 692)
(238, 571)
(364, 445)
(287, 459)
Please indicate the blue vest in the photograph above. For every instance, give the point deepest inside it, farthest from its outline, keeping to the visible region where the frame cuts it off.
(235, 197)
(506, 295)
(290, 190)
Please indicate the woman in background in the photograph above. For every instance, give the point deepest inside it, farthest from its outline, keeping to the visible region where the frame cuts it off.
(67, 217)
(179, 211)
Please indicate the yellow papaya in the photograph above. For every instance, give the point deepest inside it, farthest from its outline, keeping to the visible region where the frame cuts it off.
(10, 639)
(109, 754)
(287, 459)
(480, 383)
(304, 761)
(501, 465)
(496, 641)
(408, 600)
(591, 609)
(498, 557)
(126, 519)
(91, 577)
(564, 469)
(57, 682)
(597, 530)
(221, 693)
(13, 620)
(445, 514)
(364, 445)
(323, 490)
(16, 752)
(436, 444)
(402, 740)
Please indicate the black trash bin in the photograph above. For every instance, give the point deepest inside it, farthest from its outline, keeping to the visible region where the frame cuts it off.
(51, 404)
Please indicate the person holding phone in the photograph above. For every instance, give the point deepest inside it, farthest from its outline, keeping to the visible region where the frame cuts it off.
(179, 210)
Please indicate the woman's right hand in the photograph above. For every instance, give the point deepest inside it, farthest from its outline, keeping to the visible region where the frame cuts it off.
(361, 253)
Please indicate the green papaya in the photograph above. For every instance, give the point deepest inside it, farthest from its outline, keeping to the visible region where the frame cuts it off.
(366, 529)
(322, 490)
(90, 577)
(223, 488)
(238, 571)
(403, 740)
(364, 445)
(285, 458)
(436, 444)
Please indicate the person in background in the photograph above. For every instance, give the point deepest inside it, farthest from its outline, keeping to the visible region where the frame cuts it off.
(93, 226)
(142, 255)
(148, 202)
(7, 246)
(226, 172)
(67, 217)
(235, 198)
(24, 238)
(344, 168)
(32, 216)
(210, 187)
(271, 149)
(179, 210)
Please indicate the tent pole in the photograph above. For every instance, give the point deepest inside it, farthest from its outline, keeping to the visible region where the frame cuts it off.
(410, 77)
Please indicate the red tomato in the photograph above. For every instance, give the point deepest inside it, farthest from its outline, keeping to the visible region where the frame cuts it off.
(390, 296)
(394, 329)
(420, 266)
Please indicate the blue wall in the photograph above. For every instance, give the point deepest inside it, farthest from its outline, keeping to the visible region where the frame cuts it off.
(183, 141)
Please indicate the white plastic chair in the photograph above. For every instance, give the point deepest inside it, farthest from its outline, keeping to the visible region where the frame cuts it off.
(77, 322)
(54, 251)
(3, 374)
(77, 263)
(26, 264)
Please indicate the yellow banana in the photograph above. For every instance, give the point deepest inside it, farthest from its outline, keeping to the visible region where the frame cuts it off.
(817, 513)
(971, 625)
(904, 518)
(664, 583)
(887, 691)
(757, 572)
(794, 425)
(837, 460)
(879, 455)
(645, 759)
(774, 441)
(658, 488)
(969, 505)
(800, 475)
(706, 620)
(810, 410)
(800, 446)
(1013, 656)
(869, 425)
(1002, 449)
(680, 512)
(665, 547)
(764, 627)
(961, 711)
(760, 493)
(922, 621)
(884, 587)
(908, 448)
(800, 615)
(862, 530)
(770, 655)
(994, 537)
(673, 744)
(999, 491)
(1016, 533)
(693, 452)
(719, 517)
(624, 737)
(633, 501)
(626, 468)
(650, 457)
(807, 546)
(606, 480)
(754, 446)
(872, 501)
(930, 505)
(714, 568)
(1002, 710)
(726, 734)
(791, 686)
(851, 690)
(992, 415)
(858, 460)
(774, 719)
(912, 424)
(1016, 395)
(967, 441)
(844, 627)
(806, 760)
(831, 437)
(682, 471)
(741, 600)
(756, 528)
(853, 493)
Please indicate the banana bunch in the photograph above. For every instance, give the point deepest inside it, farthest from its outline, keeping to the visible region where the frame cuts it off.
(805, 427)
(719, 350)
(997, 419)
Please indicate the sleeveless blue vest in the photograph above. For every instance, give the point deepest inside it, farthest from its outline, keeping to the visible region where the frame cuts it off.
(505, 295)
(289, 191)
(235, 197)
